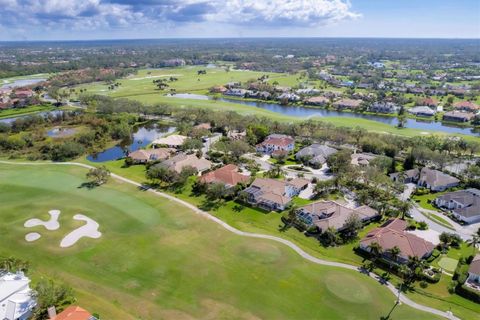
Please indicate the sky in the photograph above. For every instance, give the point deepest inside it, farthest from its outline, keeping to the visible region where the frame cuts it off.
(141, 19)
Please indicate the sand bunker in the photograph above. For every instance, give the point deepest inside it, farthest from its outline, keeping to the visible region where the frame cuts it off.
(33, 236)
(89, 230)
(160, 76)
(51, 224)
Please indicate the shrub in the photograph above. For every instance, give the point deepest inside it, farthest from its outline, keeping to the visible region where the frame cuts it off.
(423, 284)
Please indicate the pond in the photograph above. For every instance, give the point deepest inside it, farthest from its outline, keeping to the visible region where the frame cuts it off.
(60, 132)
(142, 136)
(306, 112)
(42, 114)
(22, 82)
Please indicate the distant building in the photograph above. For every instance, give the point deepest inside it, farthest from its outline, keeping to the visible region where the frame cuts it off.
(16, 299)
(429, 102)
(422, 111)
(236, 92)
(362, 159)
(347, 104)
(144, 156)
(467, 106)
(276, 142)
(473, 279)
(384, 107)
(317, 101)
(173, 63)
(172, 141)
(458, 116)
(464, 204)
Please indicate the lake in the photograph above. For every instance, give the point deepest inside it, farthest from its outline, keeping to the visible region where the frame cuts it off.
(23, 82)
(42, 114)
(305, 112)
(141, 137)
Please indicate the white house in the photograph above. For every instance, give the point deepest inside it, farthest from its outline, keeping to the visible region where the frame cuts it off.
(16, 299)
(464, 204)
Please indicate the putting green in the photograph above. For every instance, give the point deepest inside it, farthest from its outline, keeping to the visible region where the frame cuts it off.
(355, 292)
(159, 260)
(448, 264)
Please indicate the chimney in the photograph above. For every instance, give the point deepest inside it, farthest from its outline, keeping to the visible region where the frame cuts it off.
(52, 312)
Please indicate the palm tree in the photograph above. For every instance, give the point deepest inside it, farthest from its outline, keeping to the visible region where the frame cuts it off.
(404, 207)
(394, 253)
(474, 242)
(375, 250)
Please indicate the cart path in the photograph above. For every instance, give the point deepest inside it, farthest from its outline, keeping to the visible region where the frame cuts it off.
(297, 249)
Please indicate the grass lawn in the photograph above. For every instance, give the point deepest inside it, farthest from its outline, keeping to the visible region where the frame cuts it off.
(24, 111)
(158, 260)
(448, 264)
(253, 220)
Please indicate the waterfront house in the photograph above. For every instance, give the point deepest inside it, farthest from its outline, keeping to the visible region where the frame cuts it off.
(458, 116)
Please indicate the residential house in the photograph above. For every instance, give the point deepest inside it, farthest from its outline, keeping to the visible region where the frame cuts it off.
(317, 101)
(172, 141)
(235, 92)
(272, 194)
(316, 153)
(144, 156)
(23, 93)
(330, 214)
(264, 95)
(287, 96)
(182, 160)
(458, 116)
(467, 106)
(384, 107)
(429, 102)
(71, 313)
(16, 299)
(218, 89)
(422, 111)
(227, 175)
(428, 178)
(203, 126)
(473, 279)
(275, 143)
(464, 204)
(236, 135)
(347, 104)
(362, 159)
(393, 234)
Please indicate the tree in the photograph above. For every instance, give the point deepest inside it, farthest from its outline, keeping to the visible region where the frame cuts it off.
(12, 264)
(99, 175)
(48, 294)
(404, 207)
(351, 226)
(158, 173)
(330, 237)
(192, 144)
(275, 171)
(375, 250)
(473, 242)
(215, 191)
(394, 253)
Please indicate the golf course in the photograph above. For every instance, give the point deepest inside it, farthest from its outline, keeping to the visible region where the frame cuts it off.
(156, 259)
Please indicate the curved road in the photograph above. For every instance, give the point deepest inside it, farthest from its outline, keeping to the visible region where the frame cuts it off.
(293, 246)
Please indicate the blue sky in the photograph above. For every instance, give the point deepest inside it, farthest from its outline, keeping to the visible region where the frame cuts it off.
(114, 19)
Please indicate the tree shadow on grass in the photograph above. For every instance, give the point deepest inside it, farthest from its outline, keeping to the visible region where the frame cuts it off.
(209, 205)
(88, 185)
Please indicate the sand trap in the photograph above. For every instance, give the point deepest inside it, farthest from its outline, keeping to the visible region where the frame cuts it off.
(33, 236)
(424, 132)
(89, 230)
(161, 76)
(51, 224)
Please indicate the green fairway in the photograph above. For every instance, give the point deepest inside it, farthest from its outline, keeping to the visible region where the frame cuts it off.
(158, 260)
(7, 113)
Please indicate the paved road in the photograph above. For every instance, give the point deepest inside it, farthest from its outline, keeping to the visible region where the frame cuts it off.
(293, 246)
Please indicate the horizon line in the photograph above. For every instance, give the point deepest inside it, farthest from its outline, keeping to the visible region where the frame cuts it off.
(245, 38)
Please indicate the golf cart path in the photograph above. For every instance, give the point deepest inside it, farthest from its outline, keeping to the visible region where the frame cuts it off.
(293, 246)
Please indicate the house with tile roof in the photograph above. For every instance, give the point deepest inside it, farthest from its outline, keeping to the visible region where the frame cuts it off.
(432, 179)
(393, 234)
(348, 104)
(276, 143)
(466, 106)
(272, 194)
(473, 280)
(73, 313)
(183, 160)
(458, 116)
(227, 175)
(316, 153)
(464, 204)
(145, 156)
(172, 141)
(330, 214)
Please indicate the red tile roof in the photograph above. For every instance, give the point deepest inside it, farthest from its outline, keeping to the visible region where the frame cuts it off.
(73, 313)
(227, 175)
